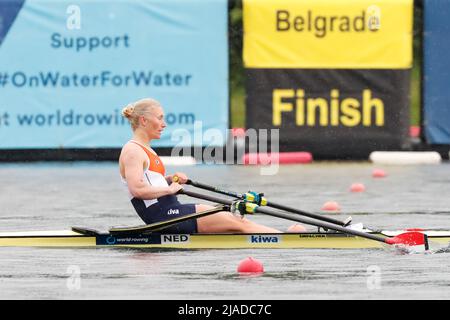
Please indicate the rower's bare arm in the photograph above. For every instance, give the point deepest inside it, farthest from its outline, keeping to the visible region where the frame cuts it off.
(133, 169)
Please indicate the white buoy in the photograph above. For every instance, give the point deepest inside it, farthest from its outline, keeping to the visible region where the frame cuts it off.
(405, 157)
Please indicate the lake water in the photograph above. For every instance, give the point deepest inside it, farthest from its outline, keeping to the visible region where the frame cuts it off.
(49, 196)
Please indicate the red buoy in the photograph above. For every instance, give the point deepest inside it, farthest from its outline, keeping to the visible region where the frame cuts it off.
(250, 265)
(331, 206)
(357, 187)
(378, 173)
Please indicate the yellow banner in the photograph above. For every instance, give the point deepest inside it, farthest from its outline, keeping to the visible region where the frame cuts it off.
(344, 34)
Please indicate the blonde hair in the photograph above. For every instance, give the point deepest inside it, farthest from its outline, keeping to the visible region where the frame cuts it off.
(139, 108)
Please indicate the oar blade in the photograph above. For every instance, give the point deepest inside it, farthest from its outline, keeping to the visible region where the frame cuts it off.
(409, 239)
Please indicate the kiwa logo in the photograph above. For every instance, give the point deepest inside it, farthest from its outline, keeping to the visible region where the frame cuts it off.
(264, 239)
(8, 14)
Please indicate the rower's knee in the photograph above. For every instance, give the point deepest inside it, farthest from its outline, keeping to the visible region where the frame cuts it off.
(242, 224)
(225, 222)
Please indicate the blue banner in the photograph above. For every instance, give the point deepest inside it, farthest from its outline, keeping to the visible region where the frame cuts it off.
(67, 68)
(436, 72)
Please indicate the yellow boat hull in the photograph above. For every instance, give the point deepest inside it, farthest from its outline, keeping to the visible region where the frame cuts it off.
(314, 240)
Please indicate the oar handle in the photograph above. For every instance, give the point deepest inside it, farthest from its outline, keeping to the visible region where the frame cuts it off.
(175, 178)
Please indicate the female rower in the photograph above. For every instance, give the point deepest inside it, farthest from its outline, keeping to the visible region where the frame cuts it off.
(152, 192)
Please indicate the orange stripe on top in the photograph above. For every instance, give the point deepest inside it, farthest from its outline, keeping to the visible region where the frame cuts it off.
(156, 165)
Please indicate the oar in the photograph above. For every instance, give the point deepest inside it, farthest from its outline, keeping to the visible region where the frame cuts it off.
(407, 238)
(157, 226)
(265, 202)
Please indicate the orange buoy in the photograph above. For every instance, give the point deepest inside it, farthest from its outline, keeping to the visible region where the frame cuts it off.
(250, 265)
(378, 173)
(331, 206)
(357, 187)
(296, 228)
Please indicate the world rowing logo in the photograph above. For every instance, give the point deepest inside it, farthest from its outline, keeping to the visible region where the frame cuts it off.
(111, 240)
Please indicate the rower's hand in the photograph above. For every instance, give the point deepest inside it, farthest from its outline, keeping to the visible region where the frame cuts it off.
(180, 178)
(175, 187)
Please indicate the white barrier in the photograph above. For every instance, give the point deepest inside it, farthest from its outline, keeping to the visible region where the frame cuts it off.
(405, 157)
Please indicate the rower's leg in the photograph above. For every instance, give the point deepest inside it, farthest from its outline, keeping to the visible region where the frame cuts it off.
(226, 222)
